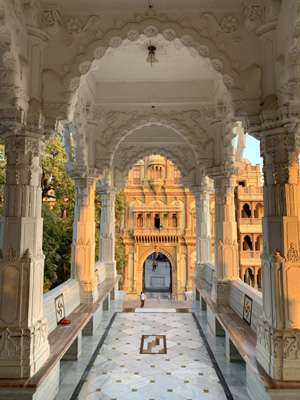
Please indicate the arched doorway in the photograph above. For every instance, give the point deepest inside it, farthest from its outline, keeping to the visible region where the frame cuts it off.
(157, 276)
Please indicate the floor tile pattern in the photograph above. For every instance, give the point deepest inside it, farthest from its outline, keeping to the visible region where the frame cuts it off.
(120, 372)
(153, 344)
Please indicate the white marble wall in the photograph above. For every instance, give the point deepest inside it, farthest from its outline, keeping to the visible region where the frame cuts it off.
(236, 300)
(237, 291)
(71, 292)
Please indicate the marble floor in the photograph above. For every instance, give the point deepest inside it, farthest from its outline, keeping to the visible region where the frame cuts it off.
(185, 372)
(234, 373)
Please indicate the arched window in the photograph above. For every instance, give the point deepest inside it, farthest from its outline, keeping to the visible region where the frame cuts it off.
(259, 211)
(247, 243)
(152, 172)
(165, 220)
(259, 279)
(148, 220)
(156, 172)
(161, 173)
(246, 211)
(249, 277)
(136, 175)
(140, 220)
(258, 243)
(157, 221)
(174, 221)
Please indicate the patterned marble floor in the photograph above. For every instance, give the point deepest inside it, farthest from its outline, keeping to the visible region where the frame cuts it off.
(120, 372)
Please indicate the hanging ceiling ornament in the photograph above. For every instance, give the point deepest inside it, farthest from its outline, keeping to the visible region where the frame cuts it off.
(151, 59)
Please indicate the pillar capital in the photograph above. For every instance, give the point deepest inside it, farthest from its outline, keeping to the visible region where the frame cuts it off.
(280, 149)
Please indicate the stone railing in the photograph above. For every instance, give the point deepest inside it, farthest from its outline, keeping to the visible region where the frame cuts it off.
(238, 290)
(250, 221)
(105, 270)
(250, 254)
(71, 297)
(155, 231)
(204, 272)
(250, 190)
(145, 235)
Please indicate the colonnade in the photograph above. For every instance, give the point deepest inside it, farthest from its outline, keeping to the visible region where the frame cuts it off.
(23, 328)
(278, 333)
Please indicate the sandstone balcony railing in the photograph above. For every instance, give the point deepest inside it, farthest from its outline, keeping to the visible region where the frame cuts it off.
(250, 254)
(250, 190)
(250, 258)
(250, 221)
(163, 235)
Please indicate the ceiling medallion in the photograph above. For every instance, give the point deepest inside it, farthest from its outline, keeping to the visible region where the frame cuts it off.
(151, 59)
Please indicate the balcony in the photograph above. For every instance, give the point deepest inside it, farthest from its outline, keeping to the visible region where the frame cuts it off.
(250, 257)
(250, 221)
(152, 235)
(250, 191)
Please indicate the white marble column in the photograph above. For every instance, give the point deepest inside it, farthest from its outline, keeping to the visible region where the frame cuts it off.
(226, 247)
(83, 248)
(107, 230)
(23, 330)
(203, 225)
(278, 344)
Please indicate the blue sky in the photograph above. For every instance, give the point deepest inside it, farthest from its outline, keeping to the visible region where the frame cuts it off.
(252, 152)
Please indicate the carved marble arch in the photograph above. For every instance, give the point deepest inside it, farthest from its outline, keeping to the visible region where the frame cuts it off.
(131, 159)
(184, 124)
(150, 28)
(288, 54)
(127, 152)
(121, 170)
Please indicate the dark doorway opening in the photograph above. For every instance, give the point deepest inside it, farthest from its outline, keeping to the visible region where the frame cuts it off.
(157, 221)
(157, 274)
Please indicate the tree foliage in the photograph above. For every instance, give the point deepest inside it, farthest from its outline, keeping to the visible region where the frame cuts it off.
(58, 191)
(120, 248)
(58, 210)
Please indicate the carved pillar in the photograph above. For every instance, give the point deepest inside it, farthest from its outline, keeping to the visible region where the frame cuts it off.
(23, 330)
(83, 248)
(107, 230)
(203, 226)
(226, 247)
(278, 344)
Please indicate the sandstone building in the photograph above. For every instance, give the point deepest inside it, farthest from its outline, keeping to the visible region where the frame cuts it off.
(160, 218)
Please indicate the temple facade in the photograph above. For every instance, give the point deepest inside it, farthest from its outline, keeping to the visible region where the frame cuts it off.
(160, 218)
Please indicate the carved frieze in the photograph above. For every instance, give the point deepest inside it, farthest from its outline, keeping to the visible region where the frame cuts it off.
(254, 13)
(229, 24)
(280, 344)
(293, 254)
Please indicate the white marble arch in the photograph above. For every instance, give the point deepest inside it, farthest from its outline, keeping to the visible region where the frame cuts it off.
(153, 139)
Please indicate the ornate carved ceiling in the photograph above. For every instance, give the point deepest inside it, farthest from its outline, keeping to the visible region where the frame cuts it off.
(85, 62)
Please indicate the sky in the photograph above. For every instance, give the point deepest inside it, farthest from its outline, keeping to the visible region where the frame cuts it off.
(252, 152)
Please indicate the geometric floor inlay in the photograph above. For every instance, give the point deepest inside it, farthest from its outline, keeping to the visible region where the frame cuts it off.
(153, 344)
(180, 370)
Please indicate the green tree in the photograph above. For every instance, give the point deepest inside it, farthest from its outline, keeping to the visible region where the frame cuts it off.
(2, 175)
(120, 248)
(58, 210)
